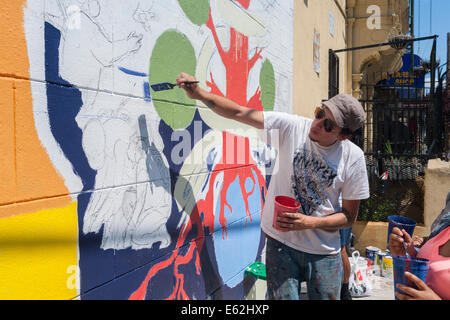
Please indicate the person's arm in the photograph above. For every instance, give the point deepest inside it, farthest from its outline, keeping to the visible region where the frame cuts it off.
(341, 220)
(335, 221)
(220, 105)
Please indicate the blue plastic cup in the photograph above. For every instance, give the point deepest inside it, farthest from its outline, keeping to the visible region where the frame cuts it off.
(401, 223)
(417, 266)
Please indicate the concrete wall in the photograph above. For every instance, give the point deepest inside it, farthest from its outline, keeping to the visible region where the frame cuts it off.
(370, 233)
(111, 190)
(437, 186)
(311, 87)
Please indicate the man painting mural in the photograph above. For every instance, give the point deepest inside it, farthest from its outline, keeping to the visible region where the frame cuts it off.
(324, 171)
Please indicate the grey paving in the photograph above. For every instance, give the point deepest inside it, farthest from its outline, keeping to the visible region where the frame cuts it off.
(382, 289)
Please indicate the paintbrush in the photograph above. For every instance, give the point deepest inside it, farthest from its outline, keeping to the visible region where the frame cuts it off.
(406, 250)
(168, 86)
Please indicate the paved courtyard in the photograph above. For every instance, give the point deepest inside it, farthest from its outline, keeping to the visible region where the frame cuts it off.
(382, 289)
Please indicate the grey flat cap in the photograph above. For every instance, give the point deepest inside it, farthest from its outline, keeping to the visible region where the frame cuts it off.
(347, 111)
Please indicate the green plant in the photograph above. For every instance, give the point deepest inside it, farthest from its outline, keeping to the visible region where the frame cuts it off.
(376, 209)
(389, 148)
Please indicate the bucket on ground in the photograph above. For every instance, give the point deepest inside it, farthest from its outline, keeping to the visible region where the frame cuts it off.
(257, 269)
(371, 252)
(378, 265)
(387, 268)
(258, 289)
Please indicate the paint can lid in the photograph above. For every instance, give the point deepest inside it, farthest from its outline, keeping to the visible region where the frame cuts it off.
(257, 269)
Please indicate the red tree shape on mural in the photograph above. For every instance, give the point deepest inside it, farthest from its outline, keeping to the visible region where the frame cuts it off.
(238, 66)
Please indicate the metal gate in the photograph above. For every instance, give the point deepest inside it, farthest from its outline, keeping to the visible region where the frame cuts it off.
(401, 133)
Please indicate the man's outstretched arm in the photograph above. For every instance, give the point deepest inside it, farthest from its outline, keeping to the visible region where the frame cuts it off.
(220, 105)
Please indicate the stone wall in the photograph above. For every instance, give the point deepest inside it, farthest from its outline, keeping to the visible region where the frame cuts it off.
(437, 185)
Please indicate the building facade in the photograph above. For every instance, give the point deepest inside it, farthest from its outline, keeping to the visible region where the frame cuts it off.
(339, 25)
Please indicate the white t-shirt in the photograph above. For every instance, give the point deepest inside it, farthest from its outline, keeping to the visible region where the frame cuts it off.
(318, 177)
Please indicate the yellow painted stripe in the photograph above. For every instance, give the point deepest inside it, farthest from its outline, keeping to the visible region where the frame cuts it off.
(38, 254)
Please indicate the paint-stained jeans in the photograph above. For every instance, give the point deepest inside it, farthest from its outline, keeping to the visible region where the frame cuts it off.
(287, 268)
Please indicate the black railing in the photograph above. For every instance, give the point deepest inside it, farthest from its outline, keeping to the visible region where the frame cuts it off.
(397, 131)
(403, 130)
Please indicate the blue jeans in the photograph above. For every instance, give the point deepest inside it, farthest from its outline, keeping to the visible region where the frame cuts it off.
(287, 268)
(346, 235)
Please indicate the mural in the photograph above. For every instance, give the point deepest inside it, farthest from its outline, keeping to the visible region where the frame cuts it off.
(165, 197)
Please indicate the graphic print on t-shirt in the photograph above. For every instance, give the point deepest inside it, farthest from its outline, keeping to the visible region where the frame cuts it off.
(312, 175)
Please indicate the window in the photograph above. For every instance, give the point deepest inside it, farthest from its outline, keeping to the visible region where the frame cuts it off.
(331, 18)
(333, 74)
(316, 51)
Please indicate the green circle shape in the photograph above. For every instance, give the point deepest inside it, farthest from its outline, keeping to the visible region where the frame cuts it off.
(173, 53)
(196, 10)
(267, 83)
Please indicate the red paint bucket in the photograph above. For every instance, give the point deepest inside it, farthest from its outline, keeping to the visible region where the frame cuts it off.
(284, 204)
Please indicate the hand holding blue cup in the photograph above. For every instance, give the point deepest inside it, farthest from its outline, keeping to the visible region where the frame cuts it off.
(401, 223)
(416, 266)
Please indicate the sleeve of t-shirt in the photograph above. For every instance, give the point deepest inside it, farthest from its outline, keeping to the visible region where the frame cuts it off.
(279, 126)
(356, 185)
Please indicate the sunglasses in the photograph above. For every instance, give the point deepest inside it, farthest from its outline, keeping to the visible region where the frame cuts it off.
(328, 125)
